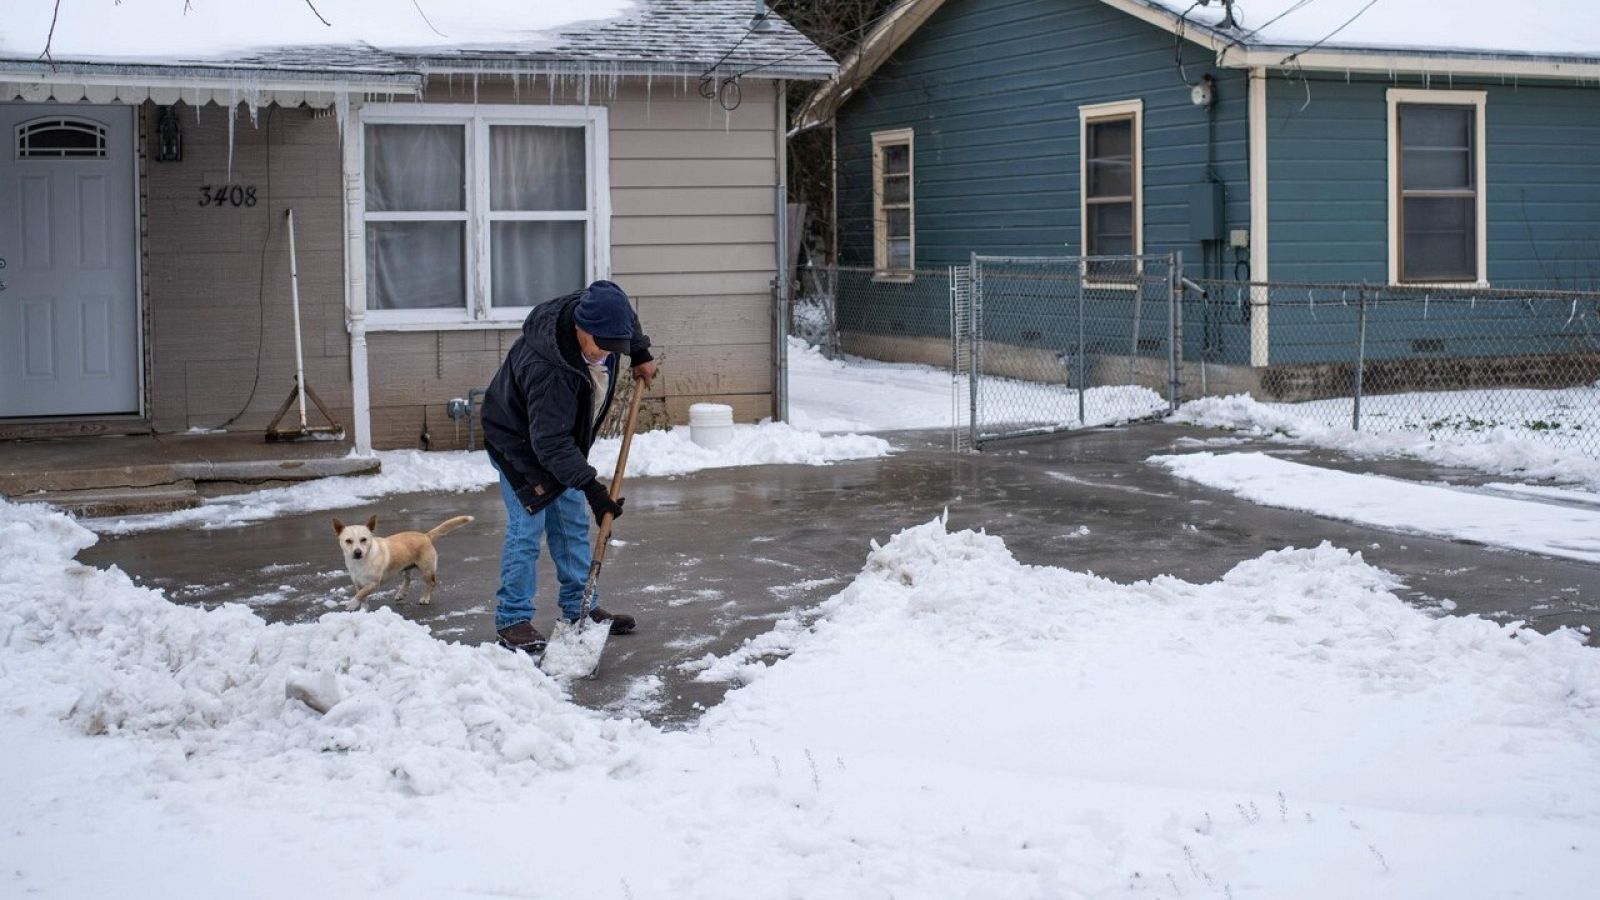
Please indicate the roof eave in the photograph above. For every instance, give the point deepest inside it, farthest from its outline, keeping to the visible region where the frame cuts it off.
(455, 65)
(190, 75)
(1414, 61)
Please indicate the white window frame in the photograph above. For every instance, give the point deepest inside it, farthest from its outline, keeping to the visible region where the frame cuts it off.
(476, 119)
(880, 219)
(1478, 99)
(1088, 115)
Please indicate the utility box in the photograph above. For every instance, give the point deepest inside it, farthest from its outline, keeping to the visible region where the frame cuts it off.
(1205, 211)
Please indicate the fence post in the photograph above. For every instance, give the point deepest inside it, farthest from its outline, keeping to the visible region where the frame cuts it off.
(1083, 366)
(1361, 357)
(1174, 328)
(975, 355)
(1138, 319)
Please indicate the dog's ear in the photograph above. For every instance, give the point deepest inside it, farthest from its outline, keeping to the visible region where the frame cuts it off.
(338, 526)
(372, 523)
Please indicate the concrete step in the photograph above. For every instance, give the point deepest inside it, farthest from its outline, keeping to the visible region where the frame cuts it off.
(158, 474)
(119, 501)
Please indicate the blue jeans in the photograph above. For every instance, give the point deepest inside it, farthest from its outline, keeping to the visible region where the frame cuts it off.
(565, 525)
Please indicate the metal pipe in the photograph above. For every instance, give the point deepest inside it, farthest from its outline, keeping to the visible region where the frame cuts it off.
(780, 398)
(1174, 327)
(299, 350)
(1361, 357)
(975, 354)
(1083, 371)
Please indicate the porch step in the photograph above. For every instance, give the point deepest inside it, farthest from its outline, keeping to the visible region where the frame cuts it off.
(105, 478)
(118, 501)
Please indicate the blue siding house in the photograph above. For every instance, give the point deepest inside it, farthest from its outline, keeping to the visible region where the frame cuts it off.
(1268, 141)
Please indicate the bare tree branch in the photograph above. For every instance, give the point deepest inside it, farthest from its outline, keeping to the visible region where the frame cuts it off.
(55, 13)
(425, 18)
(317, 14)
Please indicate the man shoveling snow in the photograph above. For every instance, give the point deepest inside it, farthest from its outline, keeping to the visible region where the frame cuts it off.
(540, 416)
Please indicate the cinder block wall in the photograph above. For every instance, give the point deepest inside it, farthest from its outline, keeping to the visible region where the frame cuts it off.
(217, 278)
(692, 241)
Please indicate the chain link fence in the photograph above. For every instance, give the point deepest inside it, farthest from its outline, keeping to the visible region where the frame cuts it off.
(1451, 363)
(858, 311)
(1033, 345)
(1068, 342)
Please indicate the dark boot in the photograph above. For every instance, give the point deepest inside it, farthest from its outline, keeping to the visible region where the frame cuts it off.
(621, 623)
(522, 636)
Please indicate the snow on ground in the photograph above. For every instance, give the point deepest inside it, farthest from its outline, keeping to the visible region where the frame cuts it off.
(1554, 529)
(672, 452)
(219, 29)
(854, 394)
(1523, 433)
(410, 471)
(955, 725)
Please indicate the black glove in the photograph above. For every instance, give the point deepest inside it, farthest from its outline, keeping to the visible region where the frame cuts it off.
(600, 501)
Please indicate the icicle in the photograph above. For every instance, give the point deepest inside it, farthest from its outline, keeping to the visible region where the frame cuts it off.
(1425, 299)
(341, 109)
(1572, 315)
(233, 111)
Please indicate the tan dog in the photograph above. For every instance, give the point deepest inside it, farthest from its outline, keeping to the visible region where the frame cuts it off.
(372, 559)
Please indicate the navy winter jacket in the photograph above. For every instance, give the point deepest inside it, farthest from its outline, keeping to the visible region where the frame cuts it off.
(538, 421)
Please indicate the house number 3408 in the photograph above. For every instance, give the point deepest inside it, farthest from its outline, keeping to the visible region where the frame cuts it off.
(228, 195)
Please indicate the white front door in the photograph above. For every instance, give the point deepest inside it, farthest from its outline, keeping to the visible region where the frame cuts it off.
(69, 304)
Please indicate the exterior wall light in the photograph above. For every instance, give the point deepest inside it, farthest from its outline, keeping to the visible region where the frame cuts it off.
(169, 136)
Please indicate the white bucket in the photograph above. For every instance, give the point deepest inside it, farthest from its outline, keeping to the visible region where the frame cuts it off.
(711, 425)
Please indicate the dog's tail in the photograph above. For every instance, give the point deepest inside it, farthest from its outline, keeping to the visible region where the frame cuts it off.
(447, 526)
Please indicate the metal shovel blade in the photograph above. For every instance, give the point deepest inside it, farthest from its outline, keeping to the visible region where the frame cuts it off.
(574, 649)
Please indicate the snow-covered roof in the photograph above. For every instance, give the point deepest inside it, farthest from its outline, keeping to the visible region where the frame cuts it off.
(1518, 38)
(396, 36)
(1536, 27)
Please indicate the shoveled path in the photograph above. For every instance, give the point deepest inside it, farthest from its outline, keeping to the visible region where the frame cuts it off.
(710, 559)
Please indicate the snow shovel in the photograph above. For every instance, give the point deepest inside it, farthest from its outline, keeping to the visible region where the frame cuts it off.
(575, 647)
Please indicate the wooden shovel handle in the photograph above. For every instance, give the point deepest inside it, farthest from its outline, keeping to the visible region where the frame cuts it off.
(604, 537)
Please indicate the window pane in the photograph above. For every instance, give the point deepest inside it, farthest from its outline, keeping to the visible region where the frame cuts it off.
(897, 159)
(416, 265)
(62, 138)
(412, 168)
(900, 253)
(1111, 158)
(1436, 126)
(537, 167)
(1440, 239)
(899, 222)
(535, 261)
(897, 189)
(1434, 169)
(1110, 229)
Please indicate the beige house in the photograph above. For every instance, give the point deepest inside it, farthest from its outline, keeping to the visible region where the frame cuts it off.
(437, 194)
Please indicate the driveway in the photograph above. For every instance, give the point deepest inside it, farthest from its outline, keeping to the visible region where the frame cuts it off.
(708, 560)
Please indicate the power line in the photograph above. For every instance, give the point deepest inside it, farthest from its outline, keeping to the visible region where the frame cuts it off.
(1329, 36)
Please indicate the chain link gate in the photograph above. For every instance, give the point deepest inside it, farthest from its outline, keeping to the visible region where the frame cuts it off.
(1048, 344)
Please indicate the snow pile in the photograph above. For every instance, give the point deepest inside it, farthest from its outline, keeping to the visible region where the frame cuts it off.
(957, 725)
(403, 472)
(1550, 27)
(671, 452)
(413, 471)
(1554, 529)
(370, 698)
(854, 394)
(978, 727)
(220, 29)
(1499, 449)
